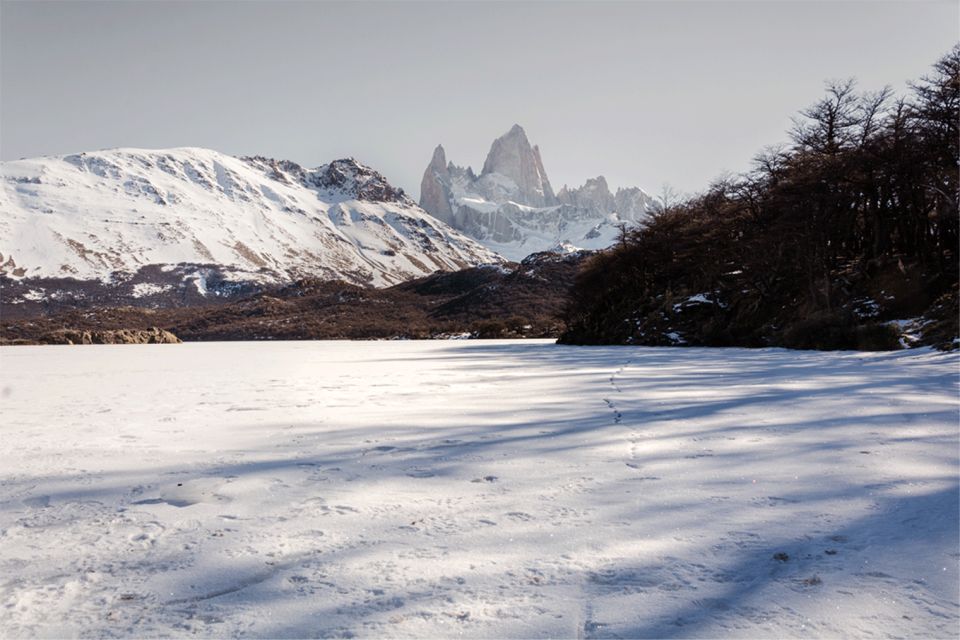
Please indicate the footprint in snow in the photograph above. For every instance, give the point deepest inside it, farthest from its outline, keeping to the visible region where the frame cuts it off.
(339, 509)
(148, 535)
(380, 449)
(520, 515)
(421, 473)
(189, 493)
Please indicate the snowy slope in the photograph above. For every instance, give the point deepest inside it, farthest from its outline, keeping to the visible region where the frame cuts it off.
(480, 489)
(106, 215)
(512, 209)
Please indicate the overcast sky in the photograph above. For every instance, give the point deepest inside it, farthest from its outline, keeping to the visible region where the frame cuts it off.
(641, 92)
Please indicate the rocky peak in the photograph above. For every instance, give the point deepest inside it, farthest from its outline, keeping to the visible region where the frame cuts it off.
(346, 176)
(357, 180)
(633, 204)
(511, 206)
(283, 171)
(512, 156)
(506, 152)
(434, 186)
(438, 163)
(597, 185)
(593, 196)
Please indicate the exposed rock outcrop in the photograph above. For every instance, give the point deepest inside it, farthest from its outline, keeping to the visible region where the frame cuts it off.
(433, 194)
(153, 335)
(512, 157)
(594, 196)
(512, 208)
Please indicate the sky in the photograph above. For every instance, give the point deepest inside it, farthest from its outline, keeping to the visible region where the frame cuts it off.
(644, 93)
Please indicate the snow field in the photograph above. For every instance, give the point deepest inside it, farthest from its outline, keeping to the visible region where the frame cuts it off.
(478, 489)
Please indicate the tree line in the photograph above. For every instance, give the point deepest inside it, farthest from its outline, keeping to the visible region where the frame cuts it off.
(851, 224)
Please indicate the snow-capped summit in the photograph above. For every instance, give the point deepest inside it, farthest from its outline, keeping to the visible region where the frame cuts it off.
(194, 214)
(511, 207)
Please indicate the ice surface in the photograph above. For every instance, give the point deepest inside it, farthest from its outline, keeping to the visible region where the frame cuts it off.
(482, 489)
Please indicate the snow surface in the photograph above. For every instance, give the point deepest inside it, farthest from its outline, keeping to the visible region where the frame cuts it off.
(483, 489)
(148, 289)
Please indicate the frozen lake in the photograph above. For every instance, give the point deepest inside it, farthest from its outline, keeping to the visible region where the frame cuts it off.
(482, 489)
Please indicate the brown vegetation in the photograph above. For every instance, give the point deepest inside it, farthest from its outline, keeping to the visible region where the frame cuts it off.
(819, 246)
(524, 301)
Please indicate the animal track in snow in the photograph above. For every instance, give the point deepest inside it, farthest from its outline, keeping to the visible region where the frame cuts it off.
(617, 416)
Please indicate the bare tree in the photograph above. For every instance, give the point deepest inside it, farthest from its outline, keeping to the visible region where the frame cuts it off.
(871, 110)
(827, 126)
(669, 197)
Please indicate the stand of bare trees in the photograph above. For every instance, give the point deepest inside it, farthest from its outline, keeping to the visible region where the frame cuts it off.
(854, 223)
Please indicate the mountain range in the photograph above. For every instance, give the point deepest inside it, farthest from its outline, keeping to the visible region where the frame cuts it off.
(187, 226)
(181, 225)
(512, 208)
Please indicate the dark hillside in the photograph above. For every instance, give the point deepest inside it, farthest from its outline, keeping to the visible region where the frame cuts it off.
(521, 300)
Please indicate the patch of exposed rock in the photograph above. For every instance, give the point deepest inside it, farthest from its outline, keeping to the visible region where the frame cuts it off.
(153, 335)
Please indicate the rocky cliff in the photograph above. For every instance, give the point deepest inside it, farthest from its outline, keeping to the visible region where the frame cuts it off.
(511, 207)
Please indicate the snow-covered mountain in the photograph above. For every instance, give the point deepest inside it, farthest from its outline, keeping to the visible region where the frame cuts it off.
(157, 219)
(511, 207)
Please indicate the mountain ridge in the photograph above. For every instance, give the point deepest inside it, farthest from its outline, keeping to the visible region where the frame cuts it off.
(123, 217)
(512, 208)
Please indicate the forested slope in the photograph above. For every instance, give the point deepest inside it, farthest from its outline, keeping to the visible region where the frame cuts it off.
(840, 239)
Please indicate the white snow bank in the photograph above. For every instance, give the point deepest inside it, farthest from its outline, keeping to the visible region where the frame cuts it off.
(142, 289)
(483, 489)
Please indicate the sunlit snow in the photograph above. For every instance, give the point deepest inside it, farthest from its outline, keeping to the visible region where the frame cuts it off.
(482, 489)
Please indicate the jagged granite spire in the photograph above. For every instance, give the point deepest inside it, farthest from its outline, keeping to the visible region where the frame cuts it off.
(511, 207)
(512, 156)
(594, 196)
(434, 187)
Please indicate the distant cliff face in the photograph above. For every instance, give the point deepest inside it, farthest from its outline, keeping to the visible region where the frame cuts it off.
(432, 187)
(512, 208)
(511, 156)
